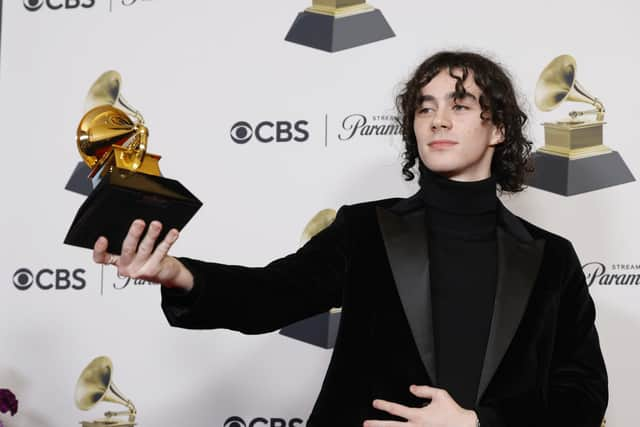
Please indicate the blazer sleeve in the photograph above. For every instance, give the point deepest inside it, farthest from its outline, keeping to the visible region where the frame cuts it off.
(577, 393)
(255, 300)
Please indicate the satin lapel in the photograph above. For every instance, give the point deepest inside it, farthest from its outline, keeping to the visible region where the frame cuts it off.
(405, 241)
(518, 264)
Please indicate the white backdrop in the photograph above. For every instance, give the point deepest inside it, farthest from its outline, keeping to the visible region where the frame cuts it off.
(196, 67)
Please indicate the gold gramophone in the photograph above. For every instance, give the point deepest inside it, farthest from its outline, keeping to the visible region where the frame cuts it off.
(573, 159)
(112, 140)
(95, 385)
(333, 25)
(107, 136)
(320, 330)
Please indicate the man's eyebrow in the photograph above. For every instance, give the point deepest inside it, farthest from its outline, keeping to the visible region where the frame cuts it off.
(450, 95)
(425, 98)
(455, 95)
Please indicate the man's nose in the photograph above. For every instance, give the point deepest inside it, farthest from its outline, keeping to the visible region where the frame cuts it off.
(441, 120)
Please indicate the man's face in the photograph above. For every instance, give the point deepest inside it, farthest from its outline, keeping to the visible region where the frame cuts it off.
(452, 138)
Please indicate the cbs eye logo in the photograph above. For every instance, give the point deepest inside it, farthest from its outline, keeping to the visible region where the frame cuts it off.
(266, 131)
(23, 279)
(241, 133)
(262, 422)
(34, 5)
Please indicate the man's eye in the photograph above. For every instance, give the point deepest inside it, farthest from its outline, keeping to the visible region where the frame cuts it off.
(425, 110)
(460, 107)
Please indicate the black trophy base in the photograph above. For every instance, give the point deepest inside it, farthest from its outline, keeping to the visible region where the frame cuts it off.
(567, 177)
(335, 33)
(320, 330)
(122, 197)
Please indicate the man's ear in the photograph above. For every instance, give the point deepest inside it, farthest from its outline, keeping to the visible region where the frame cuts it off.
(497, 135)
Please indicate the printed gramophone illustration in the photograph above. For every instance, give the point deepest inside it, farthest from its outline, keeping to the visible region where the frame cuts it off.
(333, 25)
(574, 158)
(320, 330)
(127, 184)
(95, 385)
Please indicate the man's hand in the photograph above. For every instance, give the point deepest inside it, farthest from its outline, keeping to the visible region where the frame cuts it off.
(146, 263)
(443, 411)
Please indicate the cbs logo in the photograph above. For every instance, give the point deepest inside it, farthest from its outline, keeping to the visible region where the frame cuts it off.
(262, 422)
(47, 279)
(34, 5)
(280, 131)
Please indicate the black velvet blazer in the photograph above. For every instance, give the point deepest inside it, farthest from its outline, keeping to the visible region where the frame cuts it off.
(543, 365)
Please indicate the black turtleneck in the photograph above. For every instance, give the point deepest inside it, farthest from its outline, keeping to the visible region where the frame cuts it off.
(461, 229)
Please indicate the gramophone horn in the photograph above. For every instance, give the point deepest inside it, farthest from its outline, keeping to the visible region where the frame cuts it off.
(557, 83)
(95, 385)
(106, 90)
(99, 130)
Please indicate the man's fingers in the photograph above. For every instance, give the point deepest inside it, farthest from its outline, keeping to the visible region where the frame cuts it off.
(142, 260)
(163, 248)
(130, 243)
(100, 254)
(426, 392)
(394, 408)
(149, 240)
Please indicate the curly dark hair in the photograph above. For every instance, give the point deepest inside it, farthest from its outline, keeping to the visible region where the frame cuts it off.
(511, 159)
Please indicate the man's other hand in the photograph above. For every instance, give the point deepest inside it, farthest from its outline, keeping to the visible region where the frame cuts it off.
(442, 411)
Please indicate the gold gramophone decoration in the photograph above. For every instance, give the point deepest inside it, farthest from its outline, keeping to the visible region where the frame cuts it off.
(339, 7)
(574, 158)
(334, 25)
(112, 140)
(95, 385)
(319, 222)
(320, 330)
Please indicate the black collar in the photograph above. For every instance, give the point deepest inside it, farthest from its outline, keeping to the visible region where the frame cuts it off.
(505, 218)
(457, 197)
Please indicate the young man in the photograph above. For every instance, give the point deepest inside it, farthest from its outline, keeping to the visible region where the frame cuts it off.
(455, 312)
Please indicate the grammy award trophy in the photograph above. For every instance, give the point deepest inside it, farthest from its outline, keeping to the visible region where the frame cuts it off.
(127, 184)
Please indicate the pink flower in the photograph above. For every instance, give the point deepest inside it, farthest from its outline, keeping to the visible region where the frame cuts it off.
(8, 402)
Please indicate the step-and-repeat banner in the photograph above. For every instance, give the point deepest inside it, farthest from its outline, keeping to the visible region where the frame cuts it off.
(269, 112)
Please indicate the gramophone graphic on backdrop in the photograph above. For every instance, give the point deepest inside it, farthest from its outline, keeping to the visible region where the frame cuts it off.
(124, 180)
(333, 25)
(95, 385)
(573, 159)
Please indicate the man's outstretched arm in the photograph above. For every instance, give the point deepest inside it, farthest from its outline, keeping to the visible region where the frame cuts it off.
(199, 295)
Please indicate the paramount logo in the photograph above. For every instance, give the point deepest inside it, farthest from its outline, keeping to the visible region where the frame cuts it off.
(376, 125)
(617, 275)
